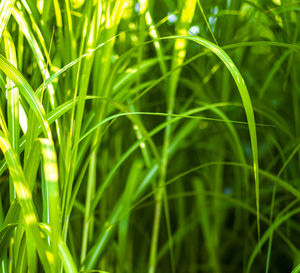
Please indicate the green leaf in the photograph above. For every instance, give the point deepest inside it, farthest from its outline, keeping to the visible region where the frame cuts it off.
(242, 88)
(27, 92)
(5, 13)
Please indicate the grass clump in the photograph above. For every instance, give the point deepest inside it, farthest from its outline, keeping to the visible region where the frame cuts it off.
(149, 136)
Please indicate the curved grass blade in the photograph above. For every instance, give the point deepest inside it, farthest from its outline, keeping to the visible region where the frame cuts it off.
(12, 95)
(36, 51)
(27, 92)
(51, 117)
(43, 86)
(21, 263)
(13, 213)
(63, 251)
(278, 221)
(246, 102)
(5, 13)
(25, 198)
(8, 227)
(52, 195)
(5, 236)
(43, 33)
(272, 73)
(287, 161)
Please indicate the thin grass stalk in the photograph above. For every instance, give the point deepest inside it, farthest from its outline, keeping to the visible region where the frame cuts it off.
(179, 53)
(12, 104)
(87, 43)
(109, 30)
(108, 231)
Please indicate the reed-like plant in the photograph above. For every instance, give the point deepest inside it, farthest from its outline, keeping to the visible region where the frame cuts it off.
(149, 136)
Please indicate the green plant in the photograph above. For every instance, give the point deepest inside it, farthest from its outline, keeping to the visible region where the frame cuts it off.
(149, 136)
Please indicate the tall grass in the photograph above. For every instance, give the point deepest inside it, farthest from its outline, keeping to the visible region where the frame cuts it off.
(149, 136)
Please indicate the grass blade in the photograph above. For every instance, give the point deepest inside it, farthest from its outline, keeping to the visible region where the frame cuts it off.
(26, 91)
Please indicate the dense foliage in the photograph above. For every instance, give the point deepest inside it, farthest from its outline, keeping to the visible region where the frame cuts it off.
(149, 136)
